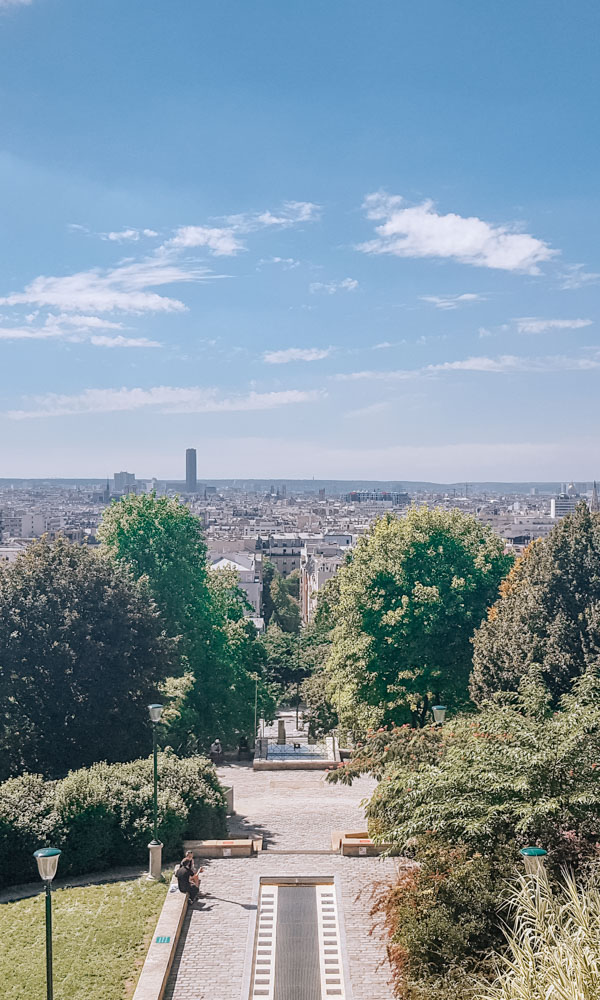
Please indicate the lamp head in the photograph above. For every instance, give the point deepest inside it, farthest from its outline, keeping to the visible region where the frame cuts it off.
(47, 862)
(155, 712)
(439, 713)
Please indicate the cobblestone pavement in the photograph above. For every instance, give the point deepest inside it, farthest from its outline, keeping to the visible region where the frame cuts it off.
(293, 810)
(296, 811)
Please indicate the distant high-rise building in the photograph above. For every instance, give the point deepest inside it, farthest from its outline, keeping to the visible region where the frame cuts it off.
(562, 505)
(123, 480)
(191, 482)
(595, 503)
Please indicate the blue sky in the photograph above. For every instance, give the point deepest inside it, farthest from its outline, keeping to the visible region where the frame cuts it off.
(339, 239)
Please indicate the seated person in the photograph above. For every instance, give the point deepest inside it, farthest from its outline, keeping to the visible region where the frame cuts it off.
(188, 878)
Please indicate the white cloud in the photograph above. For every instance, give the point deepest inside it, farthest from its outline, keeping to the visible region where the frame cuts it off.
(419, 231)
(452, 301)
(126, 235)
(331, 287)
(505, 364)
(14, 3)
(164, 399)
(75, 330)
(101, 341)
(287, 263)
(576, 277)
(296, 354)
(122, 288)
(530, 324)
(220, 242)
(292, 213)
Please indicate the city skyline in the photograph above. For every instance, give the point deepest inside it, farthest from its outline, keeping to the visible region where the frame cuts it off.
(346, 243)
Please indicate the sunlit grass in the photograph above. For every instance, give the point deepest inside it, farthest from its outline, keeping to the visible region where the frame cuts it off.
(100, 938)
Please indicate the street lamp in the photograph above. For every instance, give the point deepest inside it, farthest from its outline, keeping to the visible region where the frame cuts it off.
(439, 714)
(533, 859)
(155, 846)
(47, 862)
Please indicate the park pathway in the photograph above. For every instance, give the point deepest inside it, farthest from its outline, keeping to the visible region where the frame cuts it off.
(295, 812)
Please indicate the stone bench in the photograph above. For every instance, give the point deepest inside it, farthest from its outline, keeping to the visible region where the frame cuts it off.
(221, 848)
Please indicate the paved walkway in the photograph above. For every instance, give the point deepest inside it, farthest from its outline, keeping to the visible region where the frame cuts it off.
(296, 812)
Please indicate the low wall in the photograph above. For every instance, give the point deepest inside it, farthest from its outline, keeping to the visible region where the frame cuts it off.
(159, 959)
(291, 765)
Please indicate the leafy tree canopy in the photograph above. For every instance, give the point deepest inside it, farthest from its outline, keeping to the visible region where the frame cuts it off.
(82, 651)
(408, 602)
(162, 541)
(515, 772)
(547, 618)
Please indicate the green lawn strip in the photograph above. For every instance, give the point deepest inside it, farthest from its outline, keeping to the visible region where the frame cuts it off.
(101, 934)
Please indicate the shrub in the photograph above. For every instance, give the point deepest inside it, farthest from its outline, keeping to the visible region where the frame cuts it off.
(443, 917)
(102, 815)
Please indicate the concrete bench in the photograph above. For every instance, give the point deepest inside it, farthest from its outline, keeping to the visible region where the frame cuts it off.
(220, 848)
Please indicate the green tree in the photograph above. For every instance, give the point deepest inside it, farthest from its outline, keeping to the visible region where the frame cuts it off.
(281, 598)
(213, 695)
(82, 651)
(407, 605)
(547, 619)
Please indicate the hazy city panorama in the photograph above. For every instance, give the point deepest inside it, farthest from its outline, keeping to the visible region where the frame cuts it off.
(299, 500)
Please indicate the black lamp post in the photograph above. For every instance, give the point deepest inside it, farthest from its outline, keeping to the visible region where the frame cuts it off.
(47, 862)
(155, 846)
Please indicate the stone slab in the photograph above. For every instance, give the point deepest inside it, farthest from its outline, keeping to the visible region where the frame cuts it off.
(220, 848)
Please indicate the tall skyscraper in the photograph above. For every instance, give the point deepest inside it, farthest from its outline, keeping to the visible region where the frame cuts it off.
(191, 482)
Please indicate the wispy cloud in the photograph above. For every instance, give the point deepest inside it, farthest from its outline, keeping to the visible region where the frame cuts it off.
(287, 263)
(74, 329)
(531, 324)
(452, 301)
(164, 399)
(122, 288)
(128, 235)
(368, 411)
(576, 276)
(292, 213)
(296, 354)
(220, 242)
(5, 4)
(331, 287)
(420, 231)
(505, 364)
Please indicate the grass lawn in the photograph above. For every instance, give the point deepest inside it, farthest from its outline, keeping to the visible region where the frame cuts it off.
(101, 934)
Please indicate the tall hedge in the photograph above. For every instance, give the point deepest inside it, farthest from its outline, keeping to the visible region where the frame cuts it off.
(102, 816)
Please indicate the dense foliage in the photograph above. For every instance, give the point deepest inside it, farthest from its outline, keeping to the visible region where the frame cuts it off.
(82, 651)
(102, 816)
(409, 600)
(443, 916)
(213, 692)
(281, 598)
(548, 616)
(516, 772)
